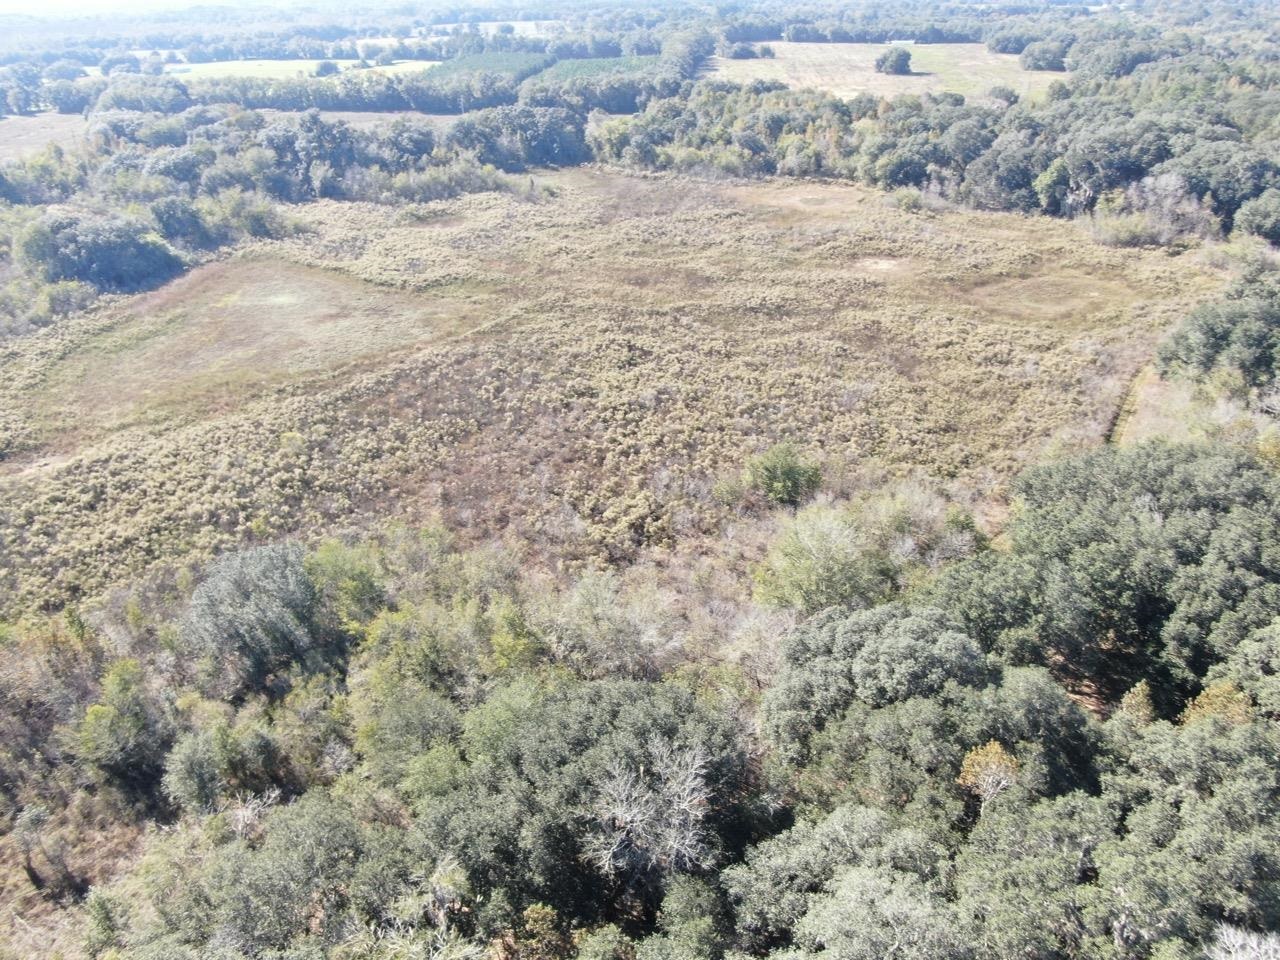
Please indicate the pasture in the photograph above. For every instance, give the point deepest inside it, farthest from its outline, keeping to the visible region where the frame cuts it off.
(847, 69)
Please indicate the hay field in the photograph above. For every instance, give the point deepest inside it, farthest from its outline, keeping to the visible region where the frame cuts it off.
(847, 69)
(23, 136)
(578, 371)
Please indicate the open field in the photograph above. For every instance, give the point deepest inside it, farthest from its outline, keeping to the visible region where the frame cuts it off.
(281, 69)
(847, 69)
(578, 371)
(23, 136)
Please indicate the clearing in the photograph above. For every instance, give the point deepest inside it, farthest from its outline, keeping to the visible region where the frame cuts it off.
(23, 136)
(847, 69)
(577, 370)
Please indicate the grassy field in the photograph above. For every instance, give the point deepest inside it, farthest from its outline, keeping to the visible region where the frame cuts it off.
(847, 69)
(578, 371)
(281, 69)
(23, 136)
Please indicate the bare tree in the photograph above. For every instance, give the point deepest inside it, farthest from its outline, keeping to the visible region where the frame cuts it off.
(649, 821)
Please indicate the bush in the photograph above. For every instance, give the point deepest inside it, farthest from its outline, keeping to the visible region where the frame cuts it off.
(110, 253)
(782, 476)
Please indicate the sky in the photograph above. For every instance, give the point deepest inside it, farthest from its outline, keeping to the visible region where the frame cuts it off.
(73, 8)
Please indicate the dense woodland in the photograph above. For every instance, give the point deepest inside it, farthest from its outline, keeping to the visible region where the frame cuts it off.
(1057, 738)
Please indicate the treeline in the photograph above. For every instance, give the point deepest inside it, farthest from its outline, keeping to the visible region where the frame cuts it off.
(156, 193)
(1147, 158)
(472, 81)
(390, 745)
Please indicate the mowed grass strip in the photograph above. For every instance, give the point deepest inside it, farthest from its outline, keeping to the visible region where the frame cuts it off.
(847, 69)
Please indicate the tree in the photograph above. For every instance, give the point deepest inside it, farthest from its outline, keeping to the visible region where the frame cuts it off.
(253, 619)
(988, 771)
(881, 656)
(1261, 216)
(124, 735)
(895, 60)
(878, 913)
(110, 253)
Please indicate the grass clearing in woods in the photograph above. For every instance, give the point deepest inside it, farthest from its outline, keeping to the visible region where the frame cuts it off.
(847, 69)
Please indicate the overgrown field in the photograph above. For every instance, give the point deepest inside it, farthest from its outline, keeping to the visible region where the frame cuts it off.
(847, 69)
(580, 370)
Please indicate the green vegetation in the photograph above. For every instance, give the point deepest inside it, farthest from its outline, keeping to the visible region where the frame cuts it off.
(895, 61)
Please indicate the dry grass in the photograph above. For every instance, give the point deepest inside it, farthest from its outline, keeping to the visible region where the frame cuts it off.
(631, 341)
(1155, 408)
(214, 340)
(23, 136)
(847, 69)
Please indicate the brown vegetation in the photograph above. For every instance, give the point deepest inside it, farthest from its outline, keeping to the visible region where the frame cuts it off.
(578, 371)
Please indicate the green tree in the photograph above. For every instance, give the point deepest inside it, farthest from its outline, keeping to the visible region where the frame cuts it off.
(894, 60)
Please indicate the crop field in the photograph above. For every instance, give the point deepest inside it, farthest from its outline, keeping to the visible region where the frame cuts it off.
(577, 370)
(597, 66)
(515, 65)
(847, 69)
(23, 136)
(281, 69)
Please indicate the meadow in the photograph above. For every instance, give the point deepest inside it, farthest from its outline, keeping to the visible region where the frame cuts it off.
(621, 344)
(847, 69)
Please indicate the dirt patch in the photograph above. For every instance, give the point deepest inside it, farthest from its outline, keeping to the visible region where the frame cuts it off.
(1054, 296)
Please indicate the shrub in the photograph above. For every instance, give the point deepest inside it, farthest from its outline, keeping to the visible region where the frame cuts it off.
(782, 476)
(109, 252)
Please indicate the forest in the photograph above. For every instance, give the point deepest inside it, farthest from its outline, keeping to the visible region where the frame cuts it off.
(488, 485)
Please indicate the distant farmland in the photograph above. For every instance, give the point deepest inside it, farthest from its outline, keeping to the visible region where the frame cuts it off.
(281, 69)
(847, 69)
